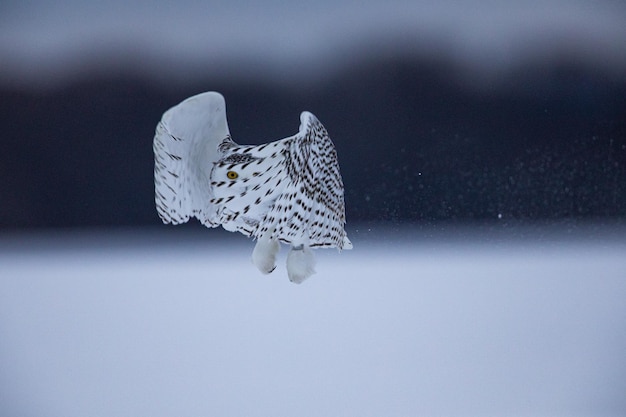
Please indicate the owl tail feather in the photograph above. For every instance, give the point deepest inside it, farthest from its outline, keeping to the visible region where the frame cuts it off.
(300, 263)
(264, 253)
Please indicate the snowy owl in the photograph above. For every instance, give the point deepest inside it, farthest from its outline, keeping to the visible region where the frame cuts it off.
(286, 191)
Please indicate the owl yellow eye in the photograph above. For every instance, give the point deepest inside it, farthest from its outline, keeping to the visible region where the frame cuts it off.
(232, 175)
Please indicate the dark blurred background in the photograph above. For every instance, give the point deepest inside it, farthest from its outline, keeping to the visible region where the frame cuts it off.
(445, 110)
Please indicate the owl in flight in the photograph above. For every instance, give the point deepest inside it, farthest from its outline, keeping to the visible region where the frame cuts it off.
(287, 191)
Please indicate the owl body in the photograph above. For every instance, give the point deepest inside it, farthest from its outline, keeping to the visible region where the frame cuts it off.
(245, 183)
(287, 191)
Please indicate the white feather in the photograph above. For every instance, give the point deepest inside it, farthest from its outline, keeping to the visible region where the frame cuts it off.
(185, 147)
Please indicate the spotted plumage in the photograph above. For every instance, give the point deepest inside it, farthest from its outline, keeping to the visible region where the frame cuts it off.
(287, 191)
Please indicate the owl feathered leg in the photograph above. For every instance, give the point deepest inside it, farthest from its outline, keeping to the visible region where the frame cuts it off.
(264, 253)
(300, 263)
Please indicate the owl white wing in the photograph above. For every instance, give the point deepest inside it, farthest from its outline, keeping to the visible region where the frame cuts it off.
(185, 149)
(311, 207)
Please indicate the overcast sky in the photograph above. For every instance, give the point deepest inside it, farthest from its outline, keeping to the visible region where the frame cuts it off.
(42, 41)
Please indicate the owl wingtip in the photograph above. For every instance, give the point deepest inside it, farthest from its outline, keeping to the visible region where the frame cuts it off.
(305, 116)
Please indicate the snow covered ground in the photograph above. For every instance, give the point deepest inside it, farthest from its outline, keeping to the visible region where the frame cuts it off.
(173, 322)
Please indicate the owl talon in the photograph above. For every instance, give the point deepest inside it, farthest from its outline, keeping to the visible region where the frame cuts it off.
(300, 263)
(264, 254)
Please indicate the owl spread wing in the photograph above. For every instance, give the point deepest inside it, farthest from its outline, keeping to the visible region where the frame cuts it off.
(185, 148)
(310, 209)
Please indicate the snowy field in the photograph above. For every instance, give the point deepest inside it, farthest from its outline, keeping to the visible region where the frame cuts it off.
(423, 322)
